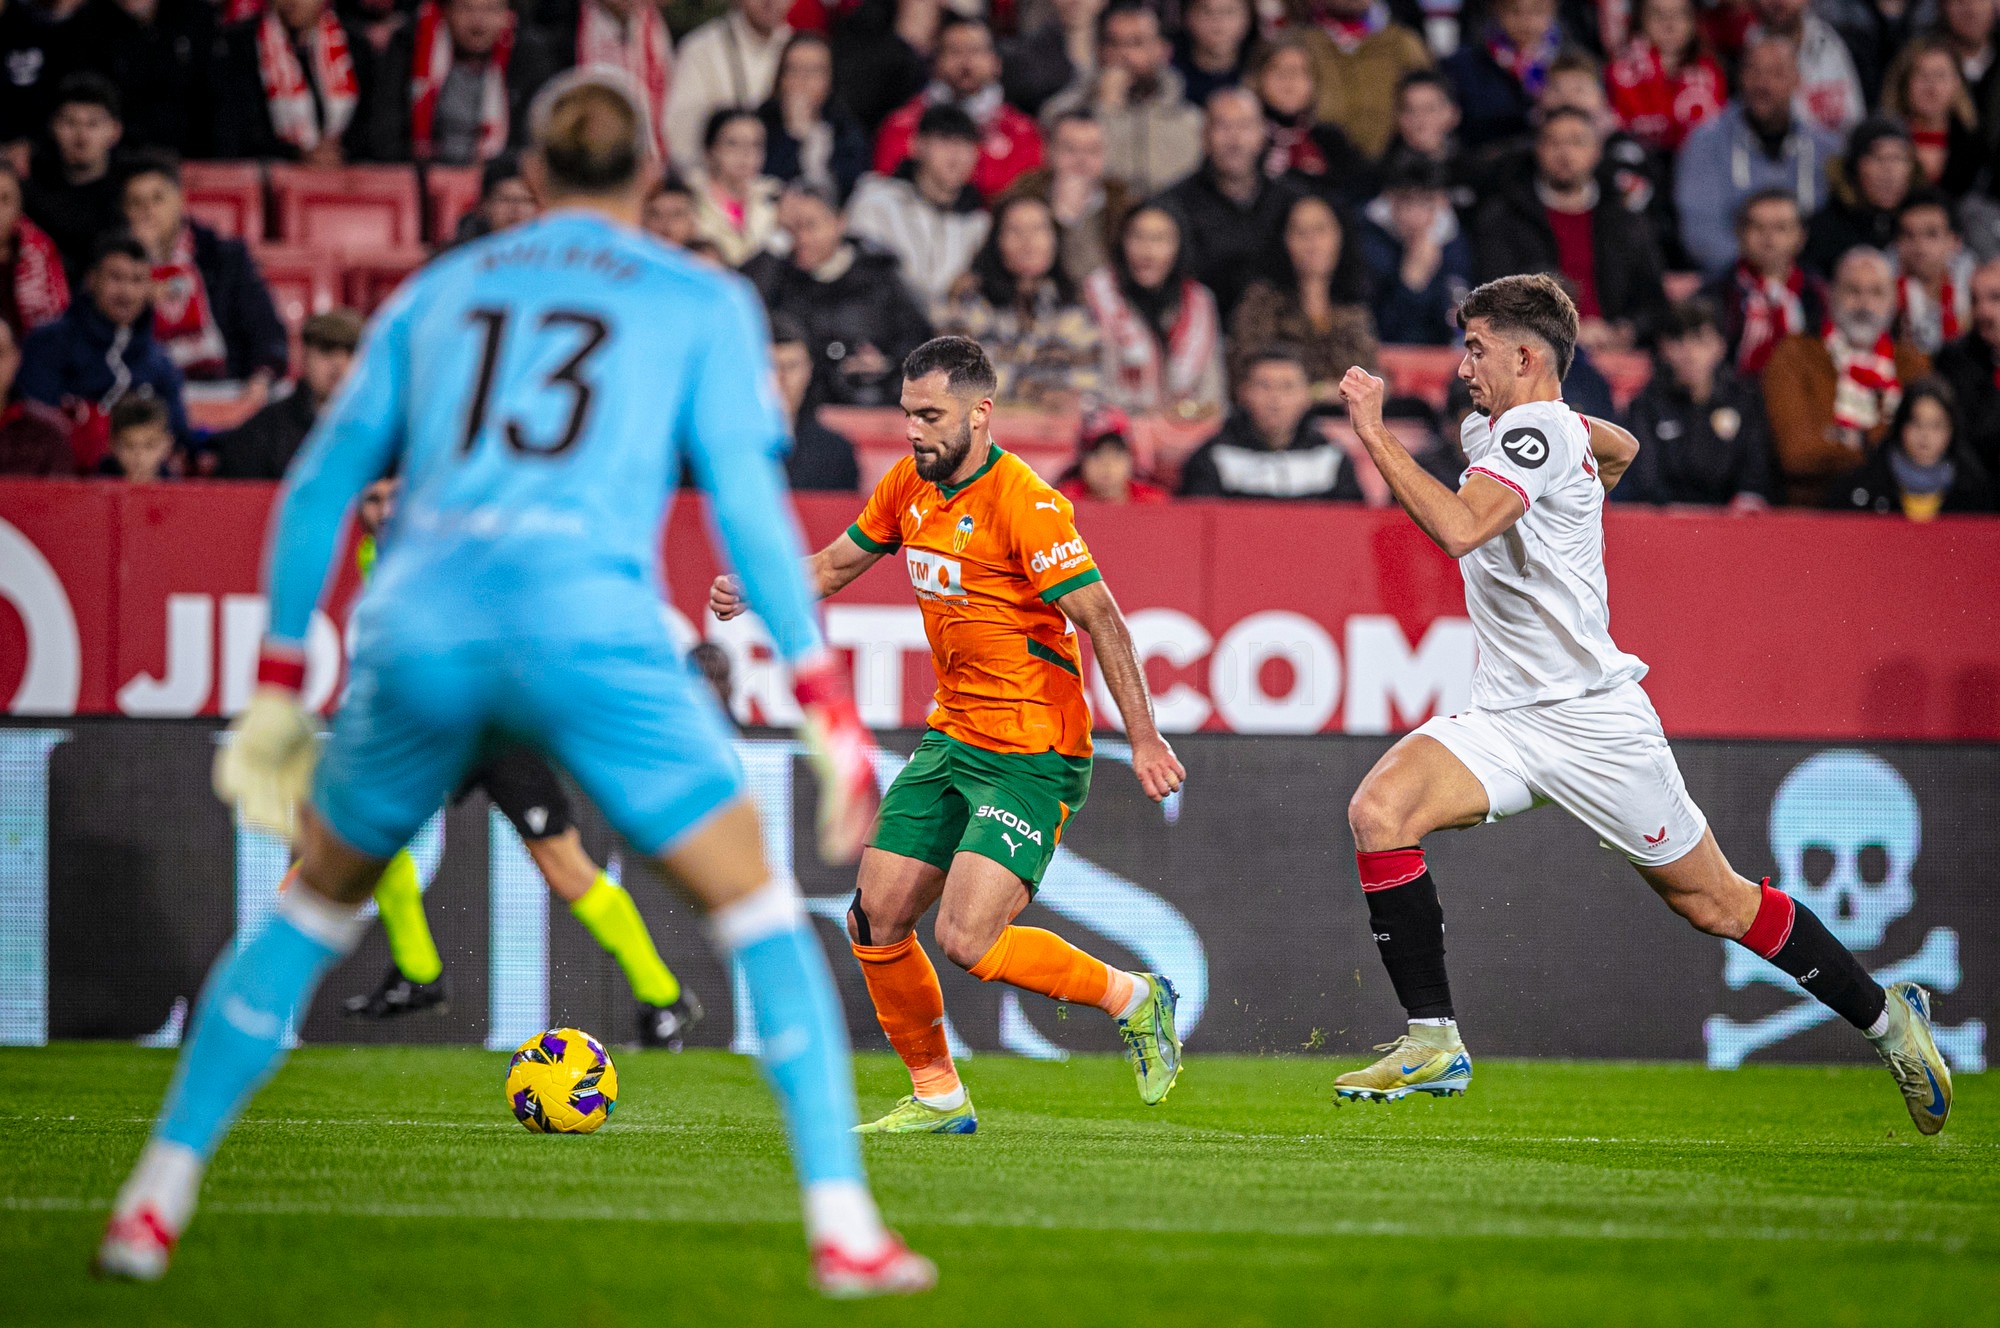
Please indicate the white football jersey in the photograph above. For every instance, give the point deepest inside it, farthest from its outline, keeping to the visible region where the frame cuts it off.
(1536, 593)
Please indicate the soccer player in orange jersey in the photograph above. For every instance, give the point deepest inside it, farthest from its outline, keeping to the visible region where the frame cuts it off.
(973, 821)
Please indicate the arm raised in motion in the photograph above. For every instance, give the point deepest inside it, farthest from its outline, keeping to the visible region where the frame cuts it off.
(1457, 522)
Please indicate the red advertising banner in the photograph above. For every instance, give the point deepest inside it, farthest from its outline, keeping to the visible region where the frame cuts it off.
(1253, 617)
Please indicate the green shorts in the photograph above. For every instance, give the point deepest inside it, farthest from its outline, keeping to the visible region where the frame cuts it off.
(956, 798)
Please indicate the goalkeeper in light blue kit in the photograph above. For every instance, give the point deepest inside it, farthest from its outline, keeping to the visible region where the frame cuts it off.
(537, 391)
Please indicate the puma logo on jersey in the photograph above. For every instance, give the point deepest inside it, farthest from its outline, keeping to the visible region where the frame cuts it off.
(1012, 847)
(1028, 833)
(915, 515)
(1054, 555)
(1051, 506)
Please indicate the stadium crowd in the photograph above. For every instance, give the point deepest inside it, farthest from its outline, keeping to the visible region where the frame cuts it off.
(1199, 212)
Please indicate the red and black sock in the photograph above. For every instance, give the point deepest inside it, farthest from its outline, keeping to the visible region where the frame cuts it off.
(1408, 922)
(1788, 934)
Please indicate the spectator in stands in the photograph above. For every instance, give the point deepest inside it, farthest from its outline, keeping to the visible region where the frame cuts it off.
(735, 203)
(1271, 446)
(34, 440)
(1418, 261)
(630, 35)
(928, 214)
(820, 458)
(1104, 471)
(728, 63)
(882, 53)
(1829, 92)
(1315, 156)
(1830, 395)
(1152, 136)
(1359, 55)
(101, 349)
(73, 194)
(1755, 143)
(1665, 82)
(1971, 365)
(1426, 131)
(1923, 468)
(212, 312)
(1875, 176)
(1972, 28)
(1701, 428)
(1234, 213)
(1558, 221)
(43, 43)
(1926, 91)
(504, 200)
(263, 445)
(1087, 207)
(858, 314)
(1018, 303)
(141, 446)
(1766, 296)
(165, 57)
(33, 287)
(456, 84)
(1315, 302)
(669, 213)
(1499, 76)
(1162, 333)
(1637, 177)
(296, 83)
(1933, 273)
(1213, 45)
(1059, 53)
(967, 77)
(807, 134)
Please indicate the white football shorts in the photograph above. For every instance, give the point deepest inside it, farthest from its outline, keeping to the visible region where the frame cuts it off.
(1602, 758)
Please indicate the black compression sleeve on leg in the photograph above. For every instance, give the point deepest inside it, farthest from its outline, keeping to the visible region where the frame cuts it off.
(1829, 971)
(1408, 923)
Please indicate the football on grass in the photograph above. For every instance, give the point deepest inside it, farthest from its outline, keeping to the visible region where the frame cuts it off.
(562, 1082)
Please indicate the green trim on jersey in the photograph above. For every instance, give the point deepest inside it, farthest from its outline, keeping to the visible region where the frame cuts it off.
(859, 536)
(993, 455)
(1048, 656)
(1089, 576)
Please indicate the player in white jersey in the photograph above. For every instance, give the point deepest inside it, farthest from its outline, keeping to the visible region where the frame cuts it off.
(1557, 712)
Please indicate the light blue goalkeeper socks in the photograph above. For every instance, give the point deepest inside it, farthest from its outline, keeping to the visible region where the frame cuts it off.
(805, 1052)
(250, 1002)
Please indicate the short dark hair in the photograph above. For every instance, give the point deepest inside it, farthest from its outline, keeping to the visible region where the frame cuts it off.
(1928, 197)
(138, 410)
(1074, 115)
(117, 243)
(1684, 318)
(953, 21)
(1772, 194)
(1276, 352)
(947, 122)
(88, 89)
(1536, 305)
(672, 183)
(721, 119)
(1426, 78)
(1125, 9)
(153, 161)
(787, 330)
(817, 190)
(1570, 60)
(966, 369)
(590, 133)
(1557, 114)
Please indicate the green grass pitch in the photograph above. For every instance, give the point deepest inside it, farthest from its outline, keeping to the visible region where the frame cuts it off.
(391, 1187)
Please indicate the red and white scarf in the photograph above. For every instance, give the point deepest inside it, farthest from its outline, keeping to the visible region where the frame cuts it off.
(1148, 376)
(646, 53)
(1773, 309)
(1866, 389)
(430, 65)
(1293, 148)
(41, 291)
(289, 95)
(1349, 33)
(183, 320)
(1931, 320)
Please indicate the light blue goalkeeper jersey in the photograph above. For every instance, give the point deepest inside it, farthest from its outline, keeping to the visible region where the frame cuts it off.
(538, 392)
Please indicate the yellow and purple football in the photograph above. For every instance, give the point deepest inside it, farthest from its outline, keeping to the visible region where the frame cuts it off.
(562, 1082)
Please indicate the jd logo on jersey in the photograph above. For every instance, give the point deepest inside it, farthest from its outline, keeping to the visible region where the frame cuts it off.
(1527, 448)
(961, 534)
(934, 574)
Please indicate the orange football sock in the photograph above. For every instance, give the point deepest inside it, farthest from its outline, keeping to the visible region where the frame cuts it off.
(1042, 961)
(910, 1005)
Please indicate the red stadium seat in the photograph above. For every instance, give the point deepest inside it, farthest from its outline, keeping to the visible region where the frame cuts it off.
(227, 196)
(353, 209)
(449, 193)
(371, 278)
(303, 282)
(1420, 371)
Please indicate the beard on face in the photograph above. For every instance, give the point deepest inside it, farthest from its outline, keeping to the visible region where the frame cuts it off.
(1859, 327)
(940, 468)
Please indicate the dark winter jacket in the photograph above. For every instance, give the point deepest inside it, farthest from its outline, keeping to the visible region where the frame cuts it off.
(73, 215)
(1873, 488)
(263, 445)
(1236, 464)
(821, 458)
(1228, 243)
(1406, 317)
(532, 63)
(1705, 454)
(252, 332)
(70, 361)
(1515, 236)
(848, 162)
(38, 54)
(864, 302)
(1973, 369)
(243, 118)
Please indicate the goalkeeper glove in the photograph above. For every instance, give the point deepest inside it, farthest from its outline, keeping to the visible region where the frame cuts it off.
(842, 753)
(265, 769)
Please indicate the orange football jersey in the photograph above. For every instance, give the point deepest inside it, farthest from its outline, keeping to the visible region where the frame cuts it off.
(988, 560)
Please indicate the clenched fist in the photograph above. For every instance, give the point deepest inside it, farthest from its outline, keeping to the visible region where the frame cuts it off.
(1363, 392)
